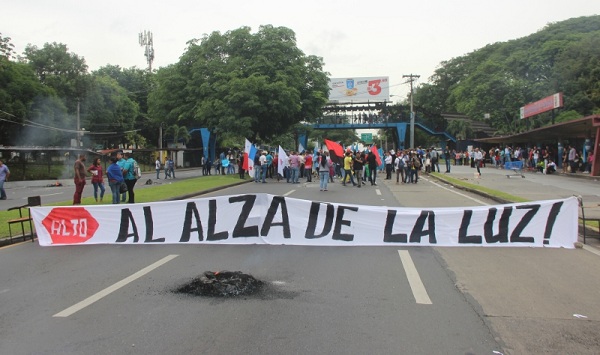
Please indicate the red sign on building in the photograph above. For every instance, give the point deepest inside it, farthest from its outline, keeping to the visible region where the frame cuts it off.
(546, 104)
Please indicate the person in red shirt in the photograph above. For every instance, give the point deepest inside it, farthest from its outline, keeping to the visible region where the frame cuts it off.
(79, 179)
(97, 178)
(308, 163)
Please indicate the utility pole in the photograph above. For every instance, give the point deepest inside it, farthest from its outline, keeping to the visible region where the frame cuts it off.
(160, 142)
(411, 78)
(78, 127)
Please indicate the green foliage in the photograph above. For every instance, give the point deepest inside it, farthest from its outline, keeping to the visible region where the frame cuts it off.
(178, 132)
(567, 116)
(500, 78)
(6, 48)
(243, 84)
(109, 110)
(25, 102)
(60, 70)
(460, 129)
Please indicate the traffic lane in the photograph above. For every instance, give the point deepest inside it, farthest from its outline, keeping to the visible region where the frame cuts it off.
(366, 195)
(323, 300)
(427, 193)
(37, 282)
(533, 296)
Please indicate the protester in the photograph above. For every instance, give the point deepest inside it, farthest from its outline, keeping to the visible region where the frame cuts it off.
(372, 162)
(4, 175)
(447, 157)
(477, 158)
(357, 166)
(158, 168)
(308, 166)
(129, 176)
(324, 167)
(79, 179)
(263, 166)
(97, 178)
(122, 163)
(348, 169)
(115, 179)
(171, 167)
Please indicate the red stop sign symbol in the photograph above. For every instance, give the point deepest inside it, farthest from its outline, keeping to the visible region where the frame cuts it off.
(70, 225)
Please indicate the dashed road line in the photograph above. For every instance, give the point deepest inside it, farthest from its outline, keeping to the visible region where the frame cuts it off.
(110, 289)
(414, 280)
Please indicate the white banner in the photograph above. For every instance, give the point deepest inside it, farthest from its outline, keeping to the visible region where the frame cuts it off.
(359, 89)
(269, 219)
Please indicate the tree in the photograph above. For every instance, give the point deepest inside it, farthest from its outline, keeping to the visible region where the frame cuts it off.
(26, 105)
(6, 48)
(178, 132)
(60, 70)
(500, 78)
(242, 84)
(460, 129)
(108, 113)
(138, 84)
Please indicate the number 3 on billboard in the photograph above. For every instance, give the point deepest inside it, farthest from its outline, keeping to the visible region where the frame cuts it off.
(374, 88)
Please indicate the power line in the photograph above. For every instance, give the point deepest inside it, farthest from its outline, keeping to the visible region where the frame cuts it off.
(29, 123)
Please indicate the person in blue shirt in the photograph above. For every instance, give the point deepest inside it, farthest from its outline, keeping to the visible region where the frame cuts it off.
(269, 165)
(115, 178)
(121, 162)
(4, 175)
(129, 176)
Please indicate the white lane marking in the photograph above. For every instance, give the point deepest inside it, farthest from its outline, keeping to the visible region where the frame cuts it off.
(414, 280)
(378, 192)
(456, 192)
(110, 289)
(57, 193)
(289, 193)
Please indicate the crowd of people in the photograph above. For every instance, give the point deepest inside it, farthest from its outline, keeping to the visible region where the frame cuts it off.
(535, 158)
(356, 168)
(122, 174)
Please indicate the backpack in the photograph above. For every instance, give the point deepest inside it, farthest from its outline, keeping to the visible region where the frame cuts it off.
(417, 162)
(137, 171)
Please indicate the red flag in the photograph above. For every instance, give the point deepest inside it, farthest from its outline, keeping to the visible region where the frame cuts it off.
(336, 152)
(376, 152)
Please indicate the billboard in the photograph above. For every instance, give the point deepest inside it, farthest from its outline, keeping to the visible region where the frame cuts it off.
(546, 104)
(359, 89)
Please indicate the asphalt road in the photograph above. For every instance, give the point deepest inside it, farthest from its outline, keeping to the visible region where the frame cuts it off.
(334, 300)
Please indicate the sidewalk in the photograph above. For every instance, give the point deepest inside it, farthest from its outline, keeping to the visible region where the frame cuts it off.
(532, 186)
(536, 186)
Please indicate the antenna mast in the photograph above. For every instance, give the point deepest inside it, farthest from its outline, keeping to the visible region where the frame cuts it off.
(146, 41)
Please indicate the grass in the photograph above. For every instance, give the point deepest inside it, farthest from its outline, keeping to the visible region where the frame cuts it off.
(487, 191)
(149, 194)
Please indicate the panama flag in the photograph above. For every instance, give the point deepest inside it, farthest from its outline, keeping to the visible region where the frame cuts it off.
(249, 153)
(282, 159)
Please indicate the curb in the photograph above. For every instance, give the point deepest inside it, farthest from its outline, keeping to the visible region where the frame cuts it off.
(475, 191)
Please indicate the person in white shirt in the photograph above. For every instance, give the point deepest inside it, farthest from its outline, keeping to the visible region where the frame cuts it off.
(478, 157)
(158, 168)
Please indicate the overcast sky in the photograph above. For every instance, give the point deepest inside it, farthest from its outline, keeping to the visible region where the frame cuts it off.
(354, 38)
